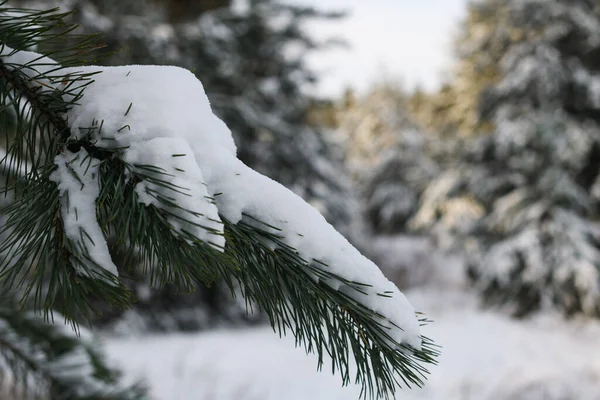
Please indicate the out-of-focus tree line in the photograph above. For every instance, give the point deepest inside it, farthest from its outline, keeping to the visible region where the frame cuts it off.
(501, 163)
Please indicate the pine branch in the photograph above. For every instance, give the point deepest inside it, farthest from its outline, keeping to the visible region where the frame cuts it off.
(59, 256)
(35, 90)
(22, 85)
(38, 91)
(281, 284)
(279, 281)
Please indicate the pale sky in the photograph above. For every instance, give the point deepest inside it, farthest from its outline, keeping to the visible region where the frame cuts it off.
(399, 39)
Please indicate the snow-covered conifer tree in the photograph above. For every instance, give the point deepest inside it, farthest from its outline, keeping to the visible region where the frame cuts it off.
(387, 156)
(534, 179)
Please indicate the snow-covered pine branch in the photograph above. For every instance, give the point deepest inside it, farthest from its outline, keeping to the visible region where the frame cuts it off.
(136, 155)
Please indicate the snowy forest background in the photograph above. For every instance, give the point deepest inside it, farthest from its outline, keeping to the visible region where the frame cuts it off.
(481, 200)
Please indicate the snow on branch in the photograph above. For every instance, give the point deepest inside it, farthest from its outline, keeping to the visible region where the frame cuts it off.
(146, 162)
(76, 175)
(162, 119)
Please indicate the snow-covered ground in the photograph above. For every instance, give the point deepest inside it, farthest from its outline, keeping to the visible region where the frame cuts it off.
(486, 356)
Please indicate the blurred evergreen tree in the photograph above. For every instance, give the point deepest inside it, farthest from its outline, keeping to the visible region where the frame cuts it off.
(387, 154)
(482, 40)
(532, 185)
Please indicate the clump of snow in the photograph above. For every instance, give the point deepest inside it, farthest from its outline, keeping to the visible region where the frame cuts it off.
(77, 178)
(177, 186)
(184, 159)
(161, 117)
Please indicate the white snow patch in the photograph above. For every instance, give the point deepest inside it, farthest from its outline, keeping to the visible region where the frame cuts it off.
(249, 364)
(159, 116)
(185, 196)
(78, 183)
(487, 355)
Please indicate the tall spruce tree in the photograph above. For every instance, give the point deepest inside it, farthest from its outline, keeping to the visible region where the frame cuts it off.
(251, 62)
(535, 177)
(135, 155)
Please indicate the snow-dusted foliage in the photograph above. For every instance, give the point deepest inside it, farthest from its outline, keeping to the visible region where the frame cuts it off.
(254, 84)
(165, 117)
(136, 155)
(44, 360)
(531, 186)
(387, 155)
(393, 188)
